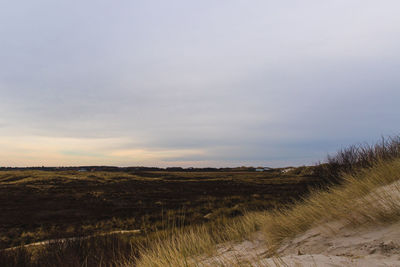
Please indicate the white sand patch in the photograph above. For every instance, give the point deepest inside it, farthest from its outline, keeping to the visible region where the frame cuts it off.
(330, 244)
(320, 246)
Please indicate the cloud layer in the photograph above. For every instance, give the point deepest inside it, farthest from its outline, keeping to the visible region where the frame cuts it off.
(166, 83)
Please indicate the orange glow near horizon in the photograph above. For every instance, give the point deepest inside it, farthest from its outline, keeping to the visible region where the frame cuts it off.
(51, 151)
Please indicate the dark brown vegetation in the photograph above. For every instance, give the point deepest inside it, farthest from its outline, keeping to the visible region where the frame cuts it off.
(37, 205)
(40, 205)
(355, 157)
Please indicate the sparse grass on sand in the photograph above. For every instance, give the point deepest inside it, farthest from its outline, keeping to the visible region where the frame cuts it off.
(362, 199)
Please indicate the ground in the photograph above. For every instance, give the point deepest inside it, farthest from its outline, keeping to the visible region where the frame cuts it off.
(42, 205)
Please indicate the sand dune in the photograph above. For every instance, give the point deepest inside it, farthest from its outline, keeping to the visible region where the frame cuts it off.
(329, 244)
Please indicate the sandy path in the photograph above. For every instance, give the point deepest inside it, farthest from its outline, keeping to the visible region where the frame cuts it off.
(62, 240)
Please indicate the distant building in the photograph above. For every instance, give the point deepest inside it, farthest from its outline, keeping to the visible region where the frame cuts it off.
(286, 170)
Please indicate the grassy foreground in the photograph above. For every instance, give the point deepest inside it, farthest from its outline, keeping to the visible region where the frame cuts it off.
(356, 201)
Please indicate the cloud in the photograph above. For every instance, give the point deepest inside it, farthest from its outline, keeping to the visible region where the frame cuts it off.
(196, 83)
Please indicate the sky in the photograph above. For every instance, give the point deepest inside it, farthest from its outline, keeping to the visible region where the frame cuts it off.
(195, 83)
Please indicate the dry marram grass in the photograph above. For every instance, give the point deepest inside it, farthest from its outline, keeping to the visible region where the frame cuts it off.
(363, 199)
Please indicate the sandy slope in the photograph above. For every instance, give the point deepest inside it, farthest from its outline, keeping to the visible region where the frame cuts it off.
(378, 246)
(330, 244)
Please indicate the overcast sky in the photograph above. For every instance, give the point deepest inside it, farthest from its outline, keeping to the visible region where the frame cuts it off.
(195, 83)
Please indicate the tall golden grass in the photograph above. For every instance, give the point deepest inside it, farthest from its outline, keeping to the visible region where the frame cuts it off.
(364, 198)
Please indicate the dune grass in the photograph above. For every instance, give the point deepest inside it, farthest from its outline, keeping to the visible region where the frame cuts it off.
(368, 194)
(363, 199)
(179, 248)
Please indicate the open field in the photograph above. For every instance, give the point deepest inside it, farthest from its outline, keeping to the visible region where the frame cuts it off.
(40, 205)
(193, 218)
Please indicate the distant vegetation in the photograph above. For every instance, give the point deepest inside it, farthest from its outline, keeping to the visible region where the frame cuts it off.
(128, 169)
(183, 215)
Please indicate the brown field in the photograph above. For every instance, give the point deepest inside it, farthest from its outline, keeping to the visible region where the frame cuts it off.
(39, 205)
